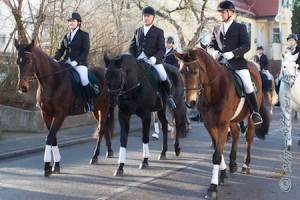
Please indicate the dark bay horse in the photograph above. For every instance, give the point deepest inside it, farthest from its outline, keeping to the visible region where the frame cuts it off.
(210, 87)
(140, 94)
(56, 99)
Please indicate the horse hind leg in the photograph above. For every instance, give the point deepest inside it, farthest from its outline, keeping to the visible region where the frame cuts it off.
(249, 140)
(235, 139)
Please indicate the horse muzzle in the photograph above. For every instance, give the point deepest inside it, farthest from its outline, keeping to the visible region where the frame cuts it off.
(23, 86)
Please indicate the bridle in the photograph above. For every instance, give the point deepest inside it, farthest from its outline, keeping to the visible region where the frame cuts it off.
(33, 75)
(290, 79)
(120, 91)
(202, 86)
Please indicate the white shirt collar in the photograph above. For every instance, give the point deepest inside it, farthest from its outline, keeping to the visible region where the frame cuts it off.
(73, 32)
(146, 29)
(226, 25)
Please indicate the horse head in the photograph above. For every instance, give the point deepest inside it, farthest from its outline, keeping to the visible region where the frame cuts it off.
(26, 64)
(289, 68)
(191, 68)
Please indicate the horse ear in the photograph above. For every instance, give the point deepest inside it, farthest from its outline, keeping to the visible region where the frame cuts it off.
(106, 59)
(16, 43)
(31, 45)
(177, 55)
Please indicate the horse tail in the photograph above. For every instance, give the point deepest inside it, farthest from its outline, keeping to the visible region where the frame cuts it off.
(262, 130)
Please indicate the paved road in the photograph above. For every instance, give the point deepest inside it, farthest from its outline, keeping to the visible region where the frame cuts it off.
(183, 177)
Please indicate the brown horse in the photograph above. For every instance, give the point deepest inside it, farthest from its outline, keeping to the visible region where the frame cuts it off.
(57, 100)
(210, 87)
(271, 96)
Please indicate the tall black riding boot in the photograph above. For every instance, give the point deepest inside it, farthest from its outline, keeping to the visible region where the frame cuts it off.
(170, 102)
(270, 88)
(89, 99)
(255, 116)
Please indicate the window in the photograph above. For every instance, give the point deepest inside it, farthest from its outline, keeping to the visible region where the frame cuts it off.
(276, 35)
(248, 26)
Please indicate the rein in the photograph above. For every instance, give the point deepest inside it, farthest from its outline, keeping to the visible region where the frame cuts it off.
(120, 90)
(202, 85)
(33, 74)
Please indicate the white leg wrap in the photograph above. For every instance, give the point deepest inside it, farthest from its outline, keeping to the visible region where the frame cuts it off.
(215, 175)
(170, 128)
(48, 155)
(122, 155)
(229, 129)
(146, 153)
(223, 164)
(56, 154)
(156, 127)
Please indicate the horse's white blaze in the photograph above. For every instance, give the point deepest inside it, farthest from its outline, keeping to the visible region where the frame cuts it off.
(146, 153)
(56, 154)
(223, 164)
(48, 155)
(239, 108)
(122, 155)
(215, 175)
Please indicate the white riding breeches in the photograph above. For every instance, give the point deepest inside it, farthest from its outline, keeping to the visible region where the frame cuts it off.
(83, 72)
(246, 78)
(159, 67)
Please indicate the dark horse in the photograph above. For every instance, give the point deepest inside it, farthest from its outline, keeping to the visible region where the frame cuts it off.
(210, 86)
(56, 99)
(140, 94)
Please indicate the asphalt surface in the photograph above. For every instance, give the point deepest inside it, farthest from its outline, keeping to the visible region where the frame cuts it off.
(186, 177)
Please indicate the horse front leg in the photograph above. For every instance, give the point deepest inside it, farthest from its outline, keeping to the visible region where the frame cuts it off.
(145, 140)
(218, 161)
(249, 140)
(235, 140)
(51, 149)
(124, 120)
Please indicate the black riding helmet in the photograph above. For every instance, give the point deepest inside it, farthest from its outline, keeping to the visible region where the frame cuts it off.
(226, 5)
(74, 15)
(148, 10)
(292, 35)
(170, 39)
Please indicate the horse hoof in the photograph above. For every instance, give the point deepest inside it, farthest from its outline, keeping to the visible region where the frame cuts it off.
(143, 165)
(177, 152)
(162, 157)
(109, 154)
(119, 172)
(299, 142)
(94, 161)
(56, 170)
(211, 194)
(245, 170)
(48, 171)
(233, 169)
(223, 180)
(289, 147)
(154, 136)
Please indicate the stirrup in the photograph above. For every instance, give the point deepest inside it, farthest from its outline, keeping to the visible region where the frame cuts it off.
(171, 104)
(256, 118)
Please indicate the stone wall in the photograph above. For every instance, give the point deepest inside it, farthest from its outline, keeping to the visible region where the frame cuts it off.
(18, 120)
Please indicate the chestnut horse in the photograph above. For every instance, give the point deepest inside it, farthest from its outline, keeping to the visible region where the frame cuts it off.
(139, 92)
(57, 100)
(210, 87)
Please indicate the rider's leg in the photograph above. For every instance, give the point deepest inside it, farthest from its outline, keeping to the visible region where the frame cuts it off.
(166, 84)
(83, 71)
(250, 95)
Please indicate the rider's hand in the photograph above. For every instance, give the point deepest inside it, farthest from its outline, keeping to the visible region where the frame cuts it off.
(152, 60)
(73, 63)
(216, 54)
(228, 55)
